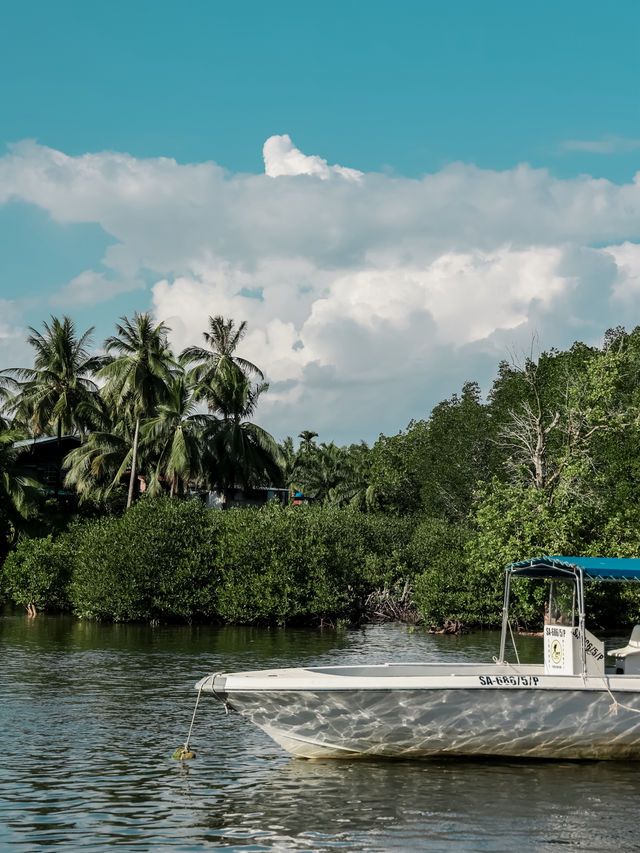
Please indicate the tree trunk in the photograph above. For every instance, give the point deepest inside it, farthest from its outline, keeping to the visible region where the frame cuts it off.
(134, 458)
(59, 465)
(538, 456)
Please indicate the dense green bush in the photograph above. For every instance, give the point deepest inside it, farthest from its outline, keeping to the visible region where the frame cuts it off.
(38, 573)
(513, 522)
(301, 564)
(170, 559)
(154, 562)
(441, 590)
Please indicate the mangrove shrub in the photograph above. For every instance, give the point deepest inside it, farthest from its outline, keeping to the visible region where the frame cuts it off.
(168, 559)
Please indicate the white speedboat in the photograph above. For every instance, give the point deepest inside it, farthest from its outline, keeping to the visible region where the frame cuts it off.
(569, 706)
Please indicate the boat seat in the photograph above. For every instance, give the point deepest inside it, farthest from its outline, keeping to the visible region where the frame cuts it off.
(632, 648)
(628, 658)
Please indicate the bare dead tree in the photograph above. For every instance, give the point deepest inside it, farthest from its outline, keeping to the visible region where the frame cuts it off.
(545, 442)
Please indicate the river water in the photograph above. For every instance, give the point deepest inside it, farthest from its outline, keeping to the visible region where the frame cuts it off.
(90, 715)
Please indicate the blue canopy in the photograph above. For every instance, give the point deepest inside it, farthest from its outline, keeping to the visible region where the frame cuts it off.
(594, 568)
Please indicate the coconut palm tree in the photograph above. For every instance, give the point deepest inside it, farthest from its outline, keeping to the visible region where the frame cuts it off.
(7, 384)
(334, 474)
(307, 444)
(353, 487)
(289, 464)
(322, 470)
(96, 467)
(243, 453)
(18, 488)
(8, 389)
(175, 435)
(57, 392)
(212, 364)
(137, 373)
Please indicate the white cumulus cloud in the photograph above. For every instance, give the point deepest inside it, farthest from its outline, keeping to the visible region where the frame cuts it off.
(368, 297)
(626, 257)
(91, 287)
(281, 157)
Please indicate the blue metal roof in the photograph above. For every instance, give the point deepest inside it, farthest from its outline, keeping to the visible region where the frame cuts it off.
(594, 568)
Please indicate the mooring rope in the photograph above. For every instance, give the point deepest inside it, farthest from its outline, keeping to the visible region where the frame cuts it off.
(615, 704)
(506, 662)
(183, 753)
(513, 640)
(193, 719)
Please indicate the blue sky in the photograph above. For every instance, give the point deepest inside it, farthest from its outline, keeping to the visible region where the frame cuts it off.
(400, 92)
(407, 86)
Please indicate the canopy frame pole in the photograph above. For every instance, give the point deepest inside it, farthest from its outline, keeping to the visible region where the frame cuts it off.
(505, 615)
(581, 620)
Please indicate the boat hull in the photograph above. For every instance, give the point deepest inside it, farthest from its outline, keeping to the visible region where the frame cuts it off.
(467, 714)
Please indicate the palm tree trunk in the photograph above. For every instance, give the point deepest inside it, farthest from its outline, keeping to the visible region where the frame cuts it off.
(59, 465)
(227, 493)
(134, 458)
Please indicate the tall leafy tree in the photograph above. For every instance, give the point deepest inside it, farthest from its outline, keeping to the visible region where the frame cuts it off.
(137, 373)
(548, 438)
(215, 362)
(307, 444)
(396, 469)
(17, 489)
(95, 468)
(56, 393)
(457, 455)
(243, 453)
(176, 435)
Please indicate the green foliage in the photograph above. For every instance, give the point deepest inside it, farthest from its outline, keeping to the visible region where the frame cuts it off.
(513, 522)
(397, 471)
(301, 564)
(459, 452)
(549, 463)
(437, 553)
(18, 491)
(155, 562)
(167, 559)
(618, 536)
(38, 573)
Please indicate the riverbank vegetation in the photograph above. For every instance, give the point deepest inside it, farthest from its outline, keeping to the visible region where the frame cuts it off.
(420, 524)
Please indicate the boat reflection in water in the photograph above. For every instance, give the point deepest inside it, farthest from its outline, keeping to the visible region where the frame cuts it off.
(569, 706)
(463, 805)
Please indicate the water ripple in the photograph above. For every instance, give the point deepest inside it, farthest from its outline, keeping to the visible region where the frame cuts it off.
(91, 714)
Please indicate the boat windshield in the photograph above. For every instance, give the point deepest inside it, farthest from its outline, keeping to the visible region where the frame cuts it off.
(560, 608)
